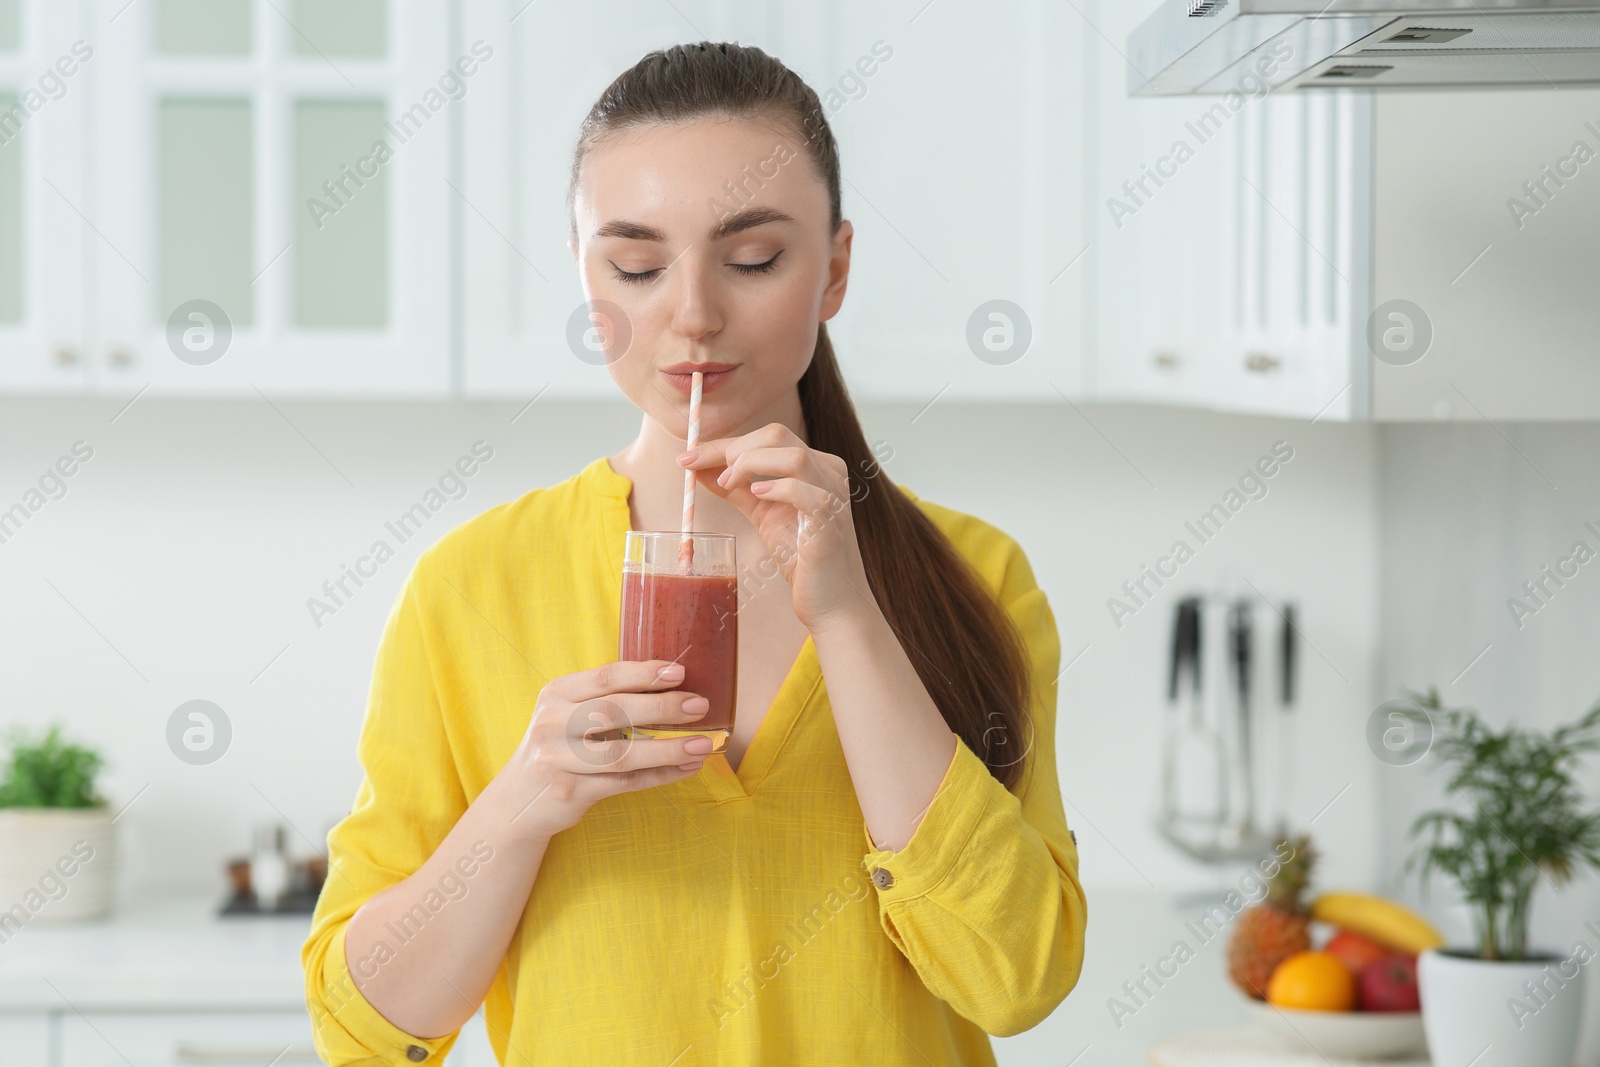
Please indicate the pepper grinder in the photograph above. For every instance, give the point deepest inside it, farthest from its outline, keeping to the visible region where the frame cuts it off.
(269, 867)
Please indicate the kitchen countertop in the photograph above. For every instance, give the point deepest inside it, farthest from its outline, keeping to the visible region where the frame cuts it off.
(1104, 1024)
(174, 953)
(157, 953)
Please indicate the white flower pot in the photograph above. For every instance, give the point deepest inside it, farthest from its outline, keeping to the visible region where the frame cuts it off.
(1487, 1013)
(55, 865)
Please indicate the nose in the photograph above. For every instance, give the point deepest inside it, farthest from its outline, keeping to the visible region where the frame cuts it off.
(696, 310)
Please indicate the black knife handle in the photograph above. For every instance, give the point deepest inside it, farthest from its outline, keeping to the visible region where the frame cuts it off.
(1288, 651)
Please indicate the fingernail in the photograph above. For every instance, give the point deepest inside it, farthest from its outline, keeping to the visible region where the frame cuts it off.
(697, 746)
(694, 765)
(689, 456)
(760, 487)
(696, 706)
(671, 672)
(722, 479)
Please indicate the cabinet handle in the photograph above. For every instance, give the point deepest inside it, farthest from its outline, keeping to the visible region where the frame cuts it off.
(119, 355)
(64, 355)
(1261, 362)
(183, 1052)
(1165, 360)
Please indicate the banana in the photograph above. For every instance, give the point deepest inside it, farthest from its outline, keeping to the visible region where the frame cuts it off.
(1399, 928)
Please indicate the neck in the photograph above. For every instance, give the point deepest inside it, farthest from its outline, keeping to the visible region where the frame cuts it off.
(651, 463)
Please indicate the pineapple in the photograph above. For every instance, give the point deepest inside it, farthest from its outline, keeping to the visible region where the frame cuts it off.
(1275, 929)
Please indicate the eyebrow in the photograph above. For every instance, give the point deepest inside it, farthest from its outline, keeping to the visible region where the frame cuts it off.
(738, 222)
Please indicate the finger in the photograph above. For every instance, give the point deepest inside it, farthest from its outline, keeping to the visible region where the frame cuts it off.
(739, 496)
(791, 461)
(720, 451)
(631, 754)
(601, 715)
(706, 454)
(818, 504)
(622, 676)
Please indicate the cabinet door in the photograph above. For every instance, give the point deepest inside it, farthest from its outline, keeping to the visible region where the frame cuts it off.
(962, 147)
(952, 105)
(186, 1040)
(1222, 251)
(1157, 202)
(26, 1038)
(1487, 220)
(1290, 270)
(43, 90)
(271, 195)
(521, 289)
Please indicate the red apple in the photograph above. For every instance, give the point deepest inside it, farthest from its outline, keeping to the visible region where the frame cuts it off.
(1354, 951)
(1389, 984)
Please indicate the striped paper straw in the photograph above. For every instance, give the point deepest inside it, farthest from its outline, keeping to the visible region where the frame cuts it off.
(686, 550)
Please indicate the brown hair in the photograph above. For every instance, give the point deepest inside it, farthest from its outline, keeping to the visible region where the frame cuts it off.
(963, 646)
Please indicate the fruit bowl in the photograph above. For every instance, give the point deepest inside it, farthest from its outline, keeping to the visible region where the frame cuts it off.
(1373, 1035)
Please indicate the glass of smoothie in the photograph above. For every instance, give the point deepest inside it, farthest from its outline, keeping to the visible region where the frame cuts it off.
(683, 606)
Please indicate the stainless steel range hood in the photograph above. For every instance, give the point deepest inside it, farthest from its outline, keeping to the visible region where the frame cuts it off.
(1218, 46)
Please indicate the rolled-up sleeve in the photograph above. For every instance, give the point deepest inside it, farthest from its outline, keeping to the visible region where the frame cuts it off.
(984, 900)
(409, 799)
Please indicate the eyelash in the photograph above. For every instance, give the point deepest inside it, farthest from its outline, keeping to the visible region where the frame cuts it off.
(743, 268)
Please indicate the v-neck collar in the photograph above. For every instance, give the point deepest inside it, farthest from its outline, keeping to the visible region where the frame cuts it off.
(799, 686)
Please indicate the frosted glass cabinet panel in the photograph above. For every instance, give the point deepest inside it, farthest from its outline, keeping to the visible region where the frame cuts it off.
(205, 192)
(340, 28)
(272, 197)
(340, 251)
(42, 108)
(10, 11)
(202, 27)
(11, 241)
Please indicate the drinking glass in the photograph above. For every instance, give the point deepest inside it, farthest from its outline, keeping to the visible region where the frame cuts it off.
(683, 606)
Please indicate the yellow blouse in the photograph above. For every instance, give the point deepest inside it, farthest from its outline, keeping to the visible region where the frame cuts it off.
(734, 917)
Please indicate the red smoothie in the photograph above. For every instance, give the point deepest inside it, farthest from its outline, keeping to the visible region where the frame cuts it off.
(693, 620)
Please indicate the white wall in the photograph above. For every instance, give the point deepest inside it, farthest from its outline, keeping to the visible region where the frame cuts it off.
(179, 563)
(1468, 514)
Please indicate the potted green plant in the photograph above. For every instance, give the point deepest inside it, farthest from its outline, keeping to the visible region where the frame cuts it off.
(1519, 819)
(55, 833)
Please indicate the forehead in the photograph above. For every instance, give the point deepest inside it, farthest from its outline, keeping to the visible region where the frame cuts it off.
(679, 174)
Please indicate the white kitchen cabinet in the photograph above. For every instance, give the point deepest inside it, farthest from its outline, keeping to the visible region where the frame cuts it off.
(44, 86)
(284, 163)
(957, 103)
(105, 1039)
(1221, 251)
(26, 1040)
(978, 105)
(166, 982)
(228, 153)
(520, 288)
(182, 1037)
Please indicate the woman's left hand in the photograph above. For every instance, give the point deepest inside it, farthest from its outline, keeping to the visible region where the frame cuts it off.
(798, 499)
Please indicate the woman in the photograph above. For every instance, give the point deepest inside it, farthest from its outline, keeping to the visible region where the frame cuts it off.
(880, 855)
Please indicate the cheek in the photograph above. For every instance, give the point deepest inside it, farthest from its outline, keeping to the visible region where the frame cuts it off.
(783, 329)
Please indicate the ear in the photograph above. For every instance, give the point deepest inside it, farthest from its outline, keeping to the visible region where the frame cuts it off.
(838, 271)
(572, 244)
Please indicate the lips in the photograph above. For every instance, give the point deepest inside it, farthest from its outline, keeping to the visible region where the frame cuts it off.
(714, 375)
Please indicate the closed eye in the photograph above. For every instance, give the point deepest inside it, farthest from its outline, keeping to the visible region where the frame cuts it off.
(757, 268)
(640, 277)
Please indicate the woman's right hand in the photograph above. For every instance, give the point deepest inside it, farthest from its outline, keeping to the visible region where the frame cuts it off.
(574, 755)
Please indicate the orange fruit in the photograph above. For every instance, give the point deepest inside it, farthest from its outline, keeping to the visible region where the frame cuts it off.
(1312, 981)
(1354, 950)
